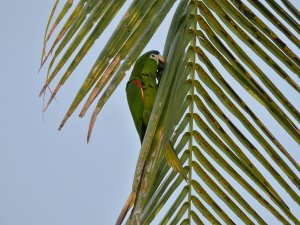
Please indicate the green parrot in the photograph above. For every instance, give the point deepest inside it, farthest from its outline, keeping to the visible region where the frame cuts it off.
(141, 91)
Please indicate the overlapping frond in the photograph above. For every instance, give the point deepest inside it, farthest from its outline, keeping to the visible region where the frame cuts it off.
(238, 170)
(211, 144)
(84, 26)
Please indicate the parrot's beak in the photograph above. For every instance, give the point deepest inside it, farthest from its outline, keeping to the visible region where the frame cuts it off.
(161, 60)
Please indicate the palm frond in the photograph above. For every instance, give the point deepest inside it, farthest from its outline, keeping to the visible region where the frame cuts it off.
(206, 104)
(209, 149)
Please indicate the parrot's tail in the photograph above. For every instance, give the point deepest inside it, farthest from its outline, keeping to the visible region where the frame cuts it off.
(128, 204)
(173, 160)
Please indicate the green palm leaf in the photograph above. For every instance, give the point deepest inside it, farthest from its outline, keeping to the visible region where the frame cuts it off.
(219, 55)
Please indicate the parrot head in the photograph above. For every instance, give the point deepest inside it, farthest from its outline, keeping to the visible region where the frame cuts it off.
(160, 63)
(160, 60)
(149, 61)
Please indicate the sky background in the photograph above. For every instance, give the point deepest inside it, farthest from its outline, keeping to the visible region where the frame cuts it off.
(49, 177)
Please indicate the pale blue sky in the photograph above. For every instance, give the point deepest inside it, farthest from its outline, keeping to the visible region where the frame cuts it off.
(49, 177)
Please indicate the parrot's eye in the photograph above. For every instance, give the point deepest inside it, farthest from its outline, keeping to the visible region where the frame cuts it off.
(153, 56)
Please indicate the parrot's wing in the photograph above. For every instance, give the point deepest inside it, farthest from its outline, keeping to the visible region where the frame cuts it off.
(135, 98)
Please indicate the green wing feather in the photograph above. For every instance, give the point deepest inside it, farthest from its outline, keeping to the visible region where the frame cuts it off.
(135, 99)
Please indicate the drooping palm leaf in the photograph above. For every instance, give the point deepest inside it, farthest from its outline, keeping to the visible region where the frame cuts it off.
(217, 133)
(241, 160)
